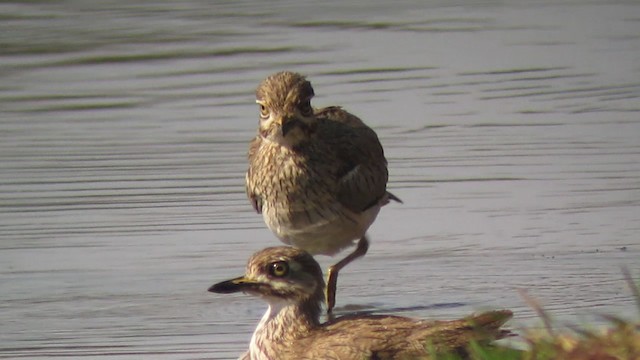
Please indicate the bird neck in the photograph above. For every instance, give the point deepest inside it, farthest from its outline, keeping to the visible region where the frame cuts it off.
(282, 323)
(294, 141)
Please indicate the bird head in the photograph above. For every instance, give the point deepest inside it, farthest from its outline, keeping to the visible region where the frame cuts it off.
(279, 274)
(286, 115)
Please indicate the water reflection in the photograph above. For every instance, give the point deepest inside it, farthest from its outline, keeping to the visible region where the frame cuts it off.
(511, 132)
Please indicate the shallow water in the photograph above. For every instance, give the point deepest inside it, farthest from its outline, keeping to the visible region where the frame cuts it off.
(511, 133)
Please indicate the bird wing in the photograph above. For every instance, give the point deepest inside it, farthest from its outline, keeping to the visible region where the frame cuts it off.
(395, 337)
(256, 201)
(338, 114)
(362, 168)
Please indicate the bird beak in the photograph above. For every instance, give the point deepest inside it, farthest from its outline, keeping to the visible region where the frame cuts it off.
(234, 285)
(287, 124)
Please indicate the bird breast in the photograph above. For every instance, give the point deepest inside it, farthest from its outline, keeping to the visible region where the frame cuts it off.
(289, 179)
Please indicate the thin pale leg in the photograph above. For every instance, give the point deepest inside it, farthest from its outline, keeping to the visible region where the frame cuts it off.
(332, 280)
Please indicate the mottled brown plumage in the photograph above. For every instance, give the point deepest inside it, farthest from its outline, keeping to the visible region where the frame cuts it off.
(291, 281)
(318, 176)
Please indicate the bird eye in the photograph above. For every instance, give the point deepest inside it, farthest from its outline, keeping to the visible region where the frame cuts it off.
(279, 269)
(264, 112)
(306, 108)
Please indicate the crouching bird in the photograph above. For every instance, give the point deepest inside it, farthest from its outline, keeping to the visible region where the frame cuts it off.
(291, 282)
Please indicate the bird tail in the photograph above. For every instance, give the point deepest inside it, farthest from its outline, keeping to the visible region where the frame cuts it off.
(456, 336)
(491, 322)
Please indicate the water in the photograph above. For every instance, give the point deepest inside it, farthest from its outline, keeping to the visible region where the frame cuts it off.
(511, 132)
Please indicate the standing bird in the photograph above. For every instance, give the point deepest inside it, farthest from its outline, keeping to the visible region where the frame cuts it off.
(291, 281)
(318, 176)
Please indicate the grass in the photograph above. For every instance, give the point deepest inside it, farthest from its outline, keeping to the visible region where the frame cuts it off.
(619, 341)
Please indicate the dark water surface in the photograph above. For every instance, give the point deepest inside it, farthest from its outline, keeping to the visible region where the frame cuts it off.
(512, 132)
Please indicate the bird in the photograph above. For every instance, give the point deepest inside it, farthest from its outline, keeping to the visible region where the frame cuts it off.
(318, 176)
(291, 281)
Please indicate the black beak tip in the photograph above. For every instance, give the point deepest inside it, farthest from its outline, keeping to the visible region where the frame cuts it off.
(288, 126)
(220, 288)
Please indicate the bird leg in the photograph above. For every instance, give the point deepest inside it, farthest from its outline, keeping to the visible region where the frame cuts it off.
(332, 276)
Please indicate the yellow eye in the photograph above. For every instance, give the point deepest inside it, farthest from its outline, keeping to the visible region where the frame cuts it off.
(279, 269)
(264, 112)
(306, 108)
